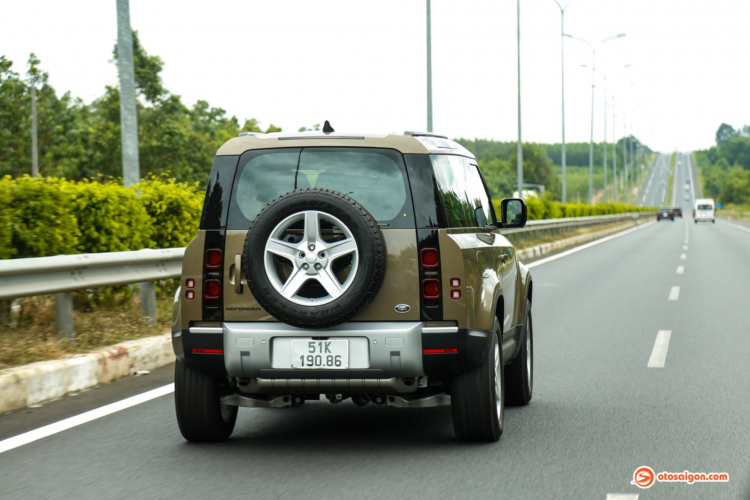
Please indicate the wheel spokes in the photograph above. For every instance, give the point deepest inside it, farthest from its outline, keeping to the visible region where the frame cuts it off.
(282, 248)
(329, 282)
(294, 283)
(312, 228)
(340, 248)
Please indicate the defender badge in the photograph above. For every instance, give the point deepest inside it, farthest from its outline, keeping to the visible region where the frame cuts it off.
(402, 308)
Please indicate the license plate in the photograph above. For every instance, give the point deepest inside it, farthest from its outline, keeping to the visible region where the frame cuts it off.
(321, 354)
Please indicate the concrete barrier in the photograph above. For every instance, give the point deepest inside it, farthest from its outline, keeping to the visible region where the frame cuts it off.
(36, 383)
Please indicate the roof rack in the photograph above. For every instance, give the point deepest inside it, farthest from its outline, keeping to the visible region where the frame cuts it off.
(425, 134)
(245, 134)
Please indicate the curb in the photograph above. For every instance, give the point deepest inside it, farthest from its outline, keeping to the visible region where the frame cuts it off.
(36, 383)
(545, 248)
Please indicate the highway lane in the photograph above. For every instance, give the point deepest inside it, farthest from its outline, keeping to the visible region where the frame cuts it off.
(598, 412)
(654, 192)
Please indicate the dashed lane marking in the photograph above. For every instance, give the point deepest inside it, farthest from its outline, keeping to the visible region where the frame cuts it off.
(680, 269)
(683, 256)
(661, 346)
(62, 425)
(622, 496)
(685, 247)
(674, 293)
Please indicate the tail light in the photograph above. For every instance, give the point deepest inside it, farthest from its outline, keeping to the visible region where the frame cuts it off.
(431, 289)
(212, 289)
(451, 350)
(213, 258)
(429, 258)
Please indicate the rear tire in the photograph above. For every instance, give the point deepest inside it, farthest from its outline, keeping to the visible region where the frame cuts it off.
(200, 415)
(478, 396)
(519, 375)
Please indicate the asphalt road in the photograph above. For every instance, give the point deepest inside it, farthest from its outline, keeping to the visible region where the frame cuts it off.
(654, 193)
(598, 412)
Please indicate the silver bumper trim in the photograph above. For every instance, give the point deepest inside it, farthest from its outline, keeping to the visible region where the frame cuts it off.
(439, 329)
(206, 329)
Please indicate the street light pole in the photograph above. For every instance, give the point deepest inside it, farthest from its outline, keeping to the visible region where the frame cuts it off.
(34, 141)
(519, 153)
(562, 74)
(593, 86)
(429, 68)
(625, 157)
(614, 152)
(128, 118)
(605, 136)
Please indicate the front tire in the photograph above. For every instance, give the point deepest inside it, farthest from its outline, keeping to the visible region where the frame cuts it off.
(200, 415)
(519, 375)
(478, 396)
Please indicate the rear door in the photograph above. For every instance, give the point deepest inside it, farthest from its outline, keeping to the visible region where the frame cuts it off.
(376, 178)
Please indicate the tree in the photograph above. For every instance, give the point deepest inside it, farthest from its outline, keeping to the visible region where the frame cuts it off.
(724, 133)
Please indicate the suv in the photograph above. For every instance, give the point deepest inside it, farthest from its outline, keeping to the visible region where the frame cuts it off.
(368, 267)
(665, 213)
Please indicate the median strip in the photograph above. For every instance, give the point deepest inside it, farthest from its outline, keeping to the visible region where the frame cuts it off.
(661, 346)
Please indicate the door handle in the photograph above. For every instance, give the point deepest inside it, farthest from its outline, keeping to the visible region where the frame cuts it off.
(238, 273)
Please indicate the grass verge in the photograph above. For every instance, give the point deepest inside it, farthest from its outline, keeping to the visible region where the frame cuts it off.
(99, 320)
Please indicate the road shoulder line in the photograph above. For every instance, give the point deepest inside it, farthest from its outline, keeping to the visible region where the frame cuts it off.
(62, 425)
(587, 245)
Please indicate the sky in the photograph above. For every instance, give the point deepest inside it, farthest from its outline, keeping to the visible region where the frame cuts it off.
(362, 65)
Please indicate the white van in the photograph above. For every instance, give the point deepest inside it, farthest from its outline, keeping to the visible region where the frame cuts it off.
(704, 210)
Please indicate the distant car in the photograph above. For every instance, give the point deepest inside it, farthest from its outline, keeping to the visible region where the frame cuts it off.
(679, 162)
(704, 210)
(687, 197)
(687, 187)
(677, 211)
(665, 213)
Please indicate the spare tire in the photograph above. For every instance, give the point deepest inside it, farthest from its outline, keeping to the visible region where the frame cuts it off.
(314, 258)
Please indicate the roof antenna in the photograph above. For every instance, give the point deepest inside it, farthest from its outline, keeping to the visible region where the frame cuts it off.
(327, 129)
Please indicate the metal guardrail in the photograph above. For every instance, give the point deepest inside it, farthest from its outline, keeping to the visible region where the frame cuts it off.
(68, 273)
(536, 229)
(63, 274)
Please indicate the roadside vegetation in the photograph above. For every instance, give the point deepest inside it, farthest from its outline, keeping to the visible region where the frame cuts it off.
(100, 318)
(671, 179)
(725, 168)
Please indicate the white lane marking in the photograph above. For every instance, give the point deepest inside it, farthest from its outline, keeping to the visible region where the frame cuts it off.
(736, 226)
(680, 269)
(683, 256)
(62, 425)
(685, 247)
(587, 245)
(622, 496)
(674, 294)
(661, 346)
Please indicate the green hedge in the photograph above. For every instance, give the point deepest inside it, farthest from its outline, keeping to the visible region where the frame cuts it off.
(49, 216)
(545, 209)
(45, 216)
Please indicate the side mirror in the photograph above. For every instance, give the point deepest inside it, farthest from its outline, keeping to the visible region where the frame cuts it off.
(513, 212)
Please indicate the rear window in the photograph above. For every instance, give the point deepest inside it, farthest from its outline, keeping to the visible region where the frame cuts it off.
(376, 178)
(705, 207)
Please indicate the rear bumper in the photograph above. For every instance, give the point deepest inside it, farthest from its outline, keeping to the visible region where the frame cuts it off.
(379, 351)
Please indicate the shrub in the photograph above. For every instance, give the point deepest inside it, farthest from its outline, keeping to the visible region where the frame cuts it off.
(36, 220)
(174, 209)
(111, 218)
